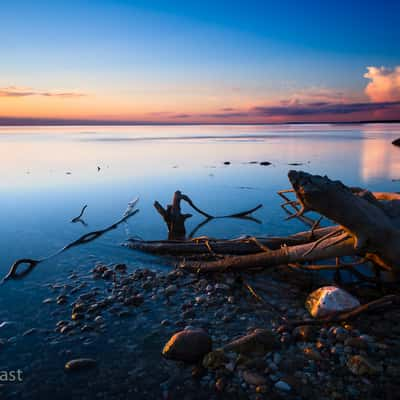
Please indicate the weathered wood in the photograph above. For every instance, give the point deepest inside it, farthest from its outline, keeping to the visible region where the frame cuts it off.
(239, 246)
(336, 246)
(175, 220)
(382, 303)
(375, 233)
(173, 217)
(371, 228)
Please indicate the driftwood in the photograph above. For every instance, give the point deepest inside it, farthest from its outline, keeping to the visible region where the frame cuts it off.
(239, 246)
(30, 263)
(380, 304)
(376, 235)
(368, 227)
(175, 220)
(79, 217)
(331, 247)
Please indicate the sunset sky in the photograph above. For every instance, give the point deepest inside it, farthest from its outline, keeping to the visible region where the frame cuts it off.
(198, 61)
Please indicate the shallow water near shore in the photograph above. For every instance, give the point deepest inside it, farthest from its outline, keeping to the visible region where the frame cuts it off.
(48, 173)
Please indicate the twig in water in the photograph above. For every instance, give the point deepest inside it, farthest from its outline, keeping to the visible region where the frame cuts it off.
(78, 218)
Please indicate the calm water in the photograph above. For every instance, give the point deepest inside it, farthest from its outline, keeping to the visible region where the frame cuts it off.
(48, 174)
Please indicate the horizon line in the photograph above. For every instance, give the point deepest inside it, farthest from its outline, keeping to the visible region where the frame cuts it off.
(10, 122)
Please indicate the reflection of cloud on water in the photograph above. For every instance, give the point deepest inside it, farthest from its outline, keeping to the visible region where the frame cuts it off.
(379, 159)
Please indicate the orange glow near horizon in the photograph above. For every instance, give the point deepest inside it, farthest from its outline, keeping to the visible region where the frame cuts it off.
(184, 107)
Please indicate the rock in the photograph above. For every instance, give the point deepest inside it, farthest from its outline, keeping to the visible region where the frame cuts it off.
(252, 378)
(396, 142)
(221, 286)
(5, 324)
(356, 342)
(260, 341)
(79, 364)
(215, 359)
(29, 332)
(77, 316)
(108, 274)
(201, 299)
(330, 299)
(220, 384)
(188, 314)
(312, 354)
(359, 365)
(283, 386)
(62, 299)
(171, 289)
(188, 345)
(121, 268)
(305, 333)
(135, 300)
(48, 300)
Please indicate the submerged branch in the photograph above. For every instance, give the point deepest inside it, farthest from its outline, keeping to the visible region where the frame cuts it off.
(88, 237)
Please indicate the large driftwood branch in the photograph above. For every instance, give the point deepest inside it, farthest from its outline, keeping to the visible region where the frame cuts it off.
(371, 227)
(375, 233)
(239, 246)
(342, 245)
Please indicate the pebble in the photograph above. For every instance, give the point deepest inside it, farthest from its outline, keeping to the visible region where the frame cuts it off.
(79, 364)
(171, 289)
(283, 386)
(201, 299)
(253, 378)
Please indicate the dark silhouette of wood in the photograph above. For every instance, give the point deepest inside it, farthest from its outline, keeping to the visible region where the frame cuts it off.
(175, 220)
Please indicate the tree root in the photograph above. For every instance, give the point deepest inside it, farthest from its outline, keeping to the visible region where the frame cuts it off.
(175, 220)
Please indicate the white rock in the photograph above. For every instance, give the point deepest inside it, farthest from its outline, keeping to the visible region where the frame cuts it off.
(281, 385)
(330, 299)
(221, 286)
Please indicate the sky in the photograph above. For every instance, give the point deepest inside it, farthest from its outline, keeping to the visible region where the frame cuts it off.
(104, 61)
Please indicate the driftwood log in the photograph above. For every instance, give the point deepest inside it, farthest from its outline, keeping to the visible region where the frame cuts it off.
(239, 246)
(374, 226)
(368, 227)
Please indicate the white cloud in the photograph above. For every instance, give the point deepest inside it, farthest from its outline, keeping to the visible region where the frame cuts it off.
(384, 85)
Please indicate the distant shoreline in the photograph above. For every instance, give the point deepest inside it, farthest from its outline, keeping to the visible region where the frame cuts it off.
(7, 122)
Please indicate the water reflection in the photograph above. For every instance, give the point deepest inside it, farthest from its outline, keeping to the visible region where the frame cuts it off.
(379, 159)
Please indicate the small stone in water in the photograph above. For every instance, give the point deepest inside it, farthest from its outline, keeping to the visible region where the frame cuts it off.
(79, 364)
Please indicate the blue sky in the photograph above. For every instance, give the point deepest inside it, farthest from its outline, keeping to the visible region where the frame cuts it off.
(148, 57)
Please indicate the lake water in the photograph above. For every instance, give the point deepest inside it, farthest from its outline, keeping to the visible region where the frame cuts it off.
(48, 173)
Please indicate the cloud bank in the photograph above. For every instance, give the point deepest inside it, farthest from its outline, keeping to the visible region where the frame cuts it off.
(14, 91)
(384, 85)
